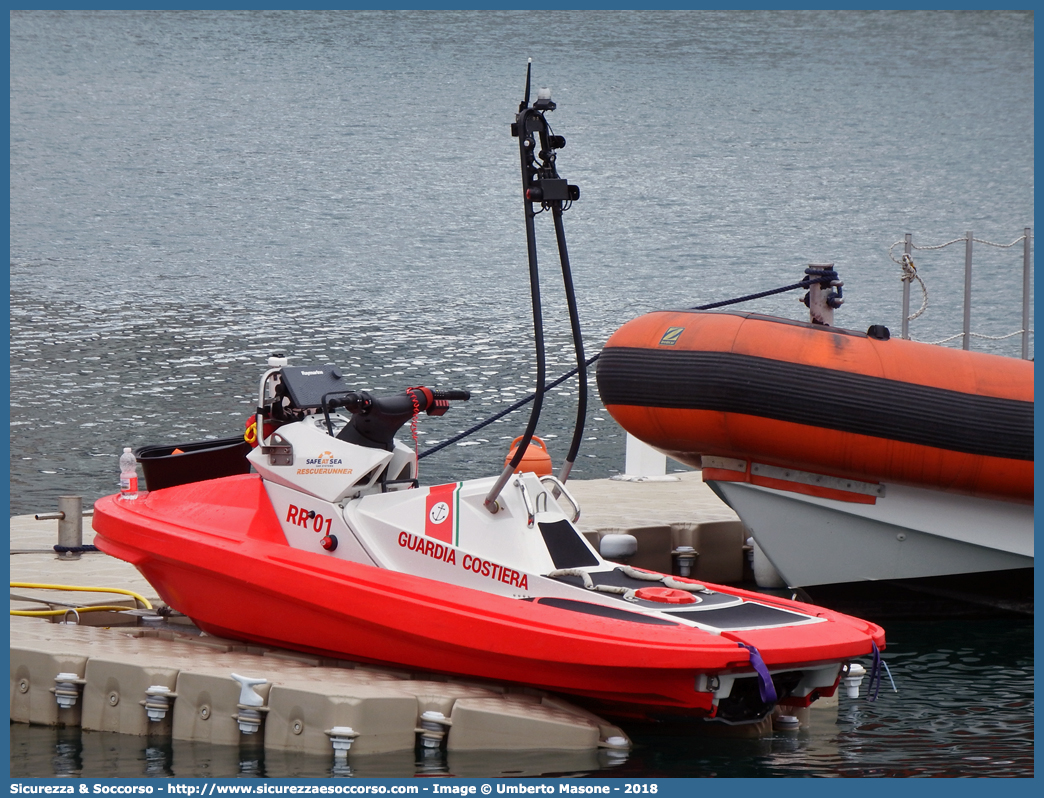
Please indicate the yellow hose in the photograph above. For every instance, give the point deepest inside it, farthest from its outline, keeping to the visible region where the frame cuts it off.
(136, 596)
(45, 613)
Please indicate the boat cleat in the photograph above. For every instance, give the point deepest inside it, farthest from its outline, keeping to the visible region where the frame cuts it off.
(251, 704)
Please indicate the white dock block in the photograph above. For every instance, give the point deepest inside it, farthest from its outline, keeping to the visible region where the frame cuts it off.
(518, 723)
(115, 689)
(206, 704)
(208, 696)
(606, 731)
(299, 715)
(114, 669)
(33, 668)
(441, 696)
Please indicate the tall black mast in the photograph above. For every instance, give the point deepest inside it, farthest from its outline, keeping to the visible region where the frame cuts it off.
(543, 188)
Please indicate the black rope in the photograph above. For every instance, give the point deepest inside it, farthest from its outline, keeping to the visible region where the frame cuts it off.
(806, 283)
(748, 297)
(75, 549)
(504, 412)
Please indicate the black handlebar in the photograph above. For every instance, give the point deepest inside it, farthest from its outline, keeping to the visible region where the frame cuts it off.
(375, 420)
(352, 401)
(362, 402)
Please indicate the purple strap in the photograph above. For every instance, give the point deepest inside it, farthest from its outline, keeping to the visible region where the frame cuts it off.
(765, 686)
(875, 675)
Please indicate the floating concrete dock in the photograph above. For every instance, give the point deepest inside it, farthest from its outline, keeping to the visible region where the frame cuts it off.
(141, 673)
(160, 682)
(664, 514)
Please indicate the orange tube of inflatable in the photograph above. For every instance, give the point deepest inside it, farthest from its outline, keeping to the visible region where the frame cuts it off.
(824, 400)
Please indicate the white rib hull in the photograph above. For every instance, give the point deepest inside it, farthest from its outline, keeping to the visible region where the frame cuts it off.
(908, 533)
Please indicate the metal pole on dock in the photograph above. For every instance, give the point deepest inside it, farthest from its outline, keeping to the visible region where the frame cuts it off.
(70, 525)
(70, 528)
(1025, 292)
(967, 289)
(908, 249)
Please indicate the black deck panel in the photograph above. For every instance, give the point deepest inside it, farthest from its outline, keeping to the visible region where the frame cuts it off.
(748, 615)
(617, 578)
(566, 547)
(602, 611)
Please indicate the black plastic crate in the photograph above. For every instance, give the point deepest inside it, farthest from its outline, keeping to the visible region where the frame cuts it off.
(199, 461)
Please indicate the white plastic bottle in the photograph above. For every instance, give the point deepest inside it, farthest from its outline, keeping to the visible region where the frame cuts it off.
(128, 475)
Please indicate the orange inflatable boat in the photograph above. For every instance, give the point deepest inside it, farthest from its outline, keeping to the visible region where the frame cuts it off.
(850, 439)
(823, 399)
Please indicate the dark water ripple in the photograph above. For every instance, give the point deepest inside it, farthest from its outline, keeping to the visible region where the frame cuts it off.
(962, 711)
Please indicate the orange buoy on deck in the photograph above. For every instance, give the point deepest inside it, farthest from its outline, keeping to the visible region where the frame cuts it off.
(535, 460)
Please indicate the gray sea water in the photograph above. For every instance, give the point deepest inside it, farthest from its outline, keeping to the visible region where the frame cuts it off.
(191, 191)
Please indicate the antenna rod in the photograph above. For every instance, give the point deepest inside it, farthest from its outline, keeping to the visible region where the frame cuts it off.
(522, 106)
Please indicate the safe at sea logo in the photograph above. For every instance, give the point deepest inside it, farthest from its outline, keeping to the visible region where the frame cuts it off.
(325, 463)
(325, 459)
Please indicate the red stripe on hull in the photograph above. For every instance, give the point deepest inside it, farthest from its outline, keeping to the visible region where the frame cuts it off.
(438, 507)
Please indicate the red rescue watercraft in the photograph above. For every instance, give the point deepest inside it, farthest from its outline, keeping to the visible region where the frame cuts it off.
(331, 546)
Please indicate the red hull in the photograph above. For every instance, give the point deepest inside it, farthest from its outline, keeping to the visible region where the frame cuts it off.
(214, 551)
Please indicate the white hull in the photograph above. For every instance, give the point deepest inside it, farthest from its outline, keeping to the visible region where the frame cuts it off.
(908, 533)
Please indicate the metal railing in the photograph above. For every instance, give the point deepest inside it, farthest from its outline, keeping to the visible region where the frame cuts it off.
(910, 275)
